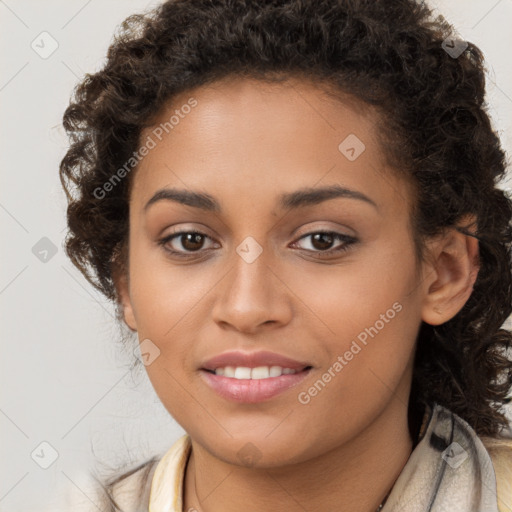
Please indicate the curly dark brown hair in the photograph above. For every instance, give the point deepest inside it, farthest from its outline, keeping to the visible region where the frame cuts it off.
(389, 54)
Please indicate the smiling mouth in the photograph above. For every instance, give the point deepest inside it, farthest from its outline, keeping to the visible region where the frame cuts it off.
(256, 373)
(244, 384)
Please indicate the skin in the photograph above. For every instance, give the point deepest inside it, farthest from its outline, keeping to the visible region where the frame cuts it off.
(245, 143)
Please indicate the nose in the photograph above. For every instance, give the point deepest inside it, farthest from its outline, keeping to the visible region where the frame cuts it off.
(252, 297)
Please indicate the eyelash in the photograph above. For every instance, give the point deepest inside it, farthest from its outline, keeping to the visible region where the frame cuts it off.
(348, 242)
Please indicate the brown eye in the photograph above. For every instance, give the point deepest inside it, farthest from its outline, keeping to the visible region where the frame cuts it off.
(191, 241)
(321, 242)
(184, 243)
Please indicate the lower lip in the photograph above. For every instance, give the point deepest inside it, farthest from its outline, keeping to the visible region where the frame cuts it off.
(252, 391)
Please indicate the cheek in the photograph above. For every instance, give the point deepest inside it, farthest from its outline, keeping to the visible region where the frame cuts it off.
(164, 293)
(367, 353)
(346, 299)
(366, 320)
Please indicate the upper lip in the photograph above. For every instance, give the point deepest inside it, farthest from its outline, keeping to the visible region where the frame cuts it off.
(252, 360)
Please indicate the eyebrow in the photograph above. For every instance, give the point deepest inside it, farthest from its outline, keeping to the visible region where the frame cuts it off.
(291, 200)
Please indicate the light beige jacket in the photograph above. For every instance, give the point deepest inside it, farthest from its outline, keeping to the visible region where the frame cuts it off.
(430, 481)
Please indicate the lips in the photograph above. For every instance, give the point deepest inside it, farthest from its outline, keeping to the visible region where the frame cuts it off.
(251, 389)
(252, 360)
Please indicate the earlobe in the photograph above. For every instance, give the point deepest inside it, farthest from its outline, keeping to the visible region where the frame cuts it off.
(123, 293)
(453, 272)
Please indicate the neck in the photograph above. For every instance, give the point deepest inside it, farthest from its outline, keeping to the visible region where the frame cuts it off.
(355, 476)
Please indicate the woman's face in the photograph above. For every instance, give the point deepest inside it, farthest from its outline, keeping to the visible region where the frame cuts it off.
(344, 307)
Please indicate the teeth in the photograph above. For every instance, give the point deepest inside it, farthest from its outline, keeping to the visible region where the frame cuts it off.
(241, 372)
(229, 371)
(275, 371)
(260, 372)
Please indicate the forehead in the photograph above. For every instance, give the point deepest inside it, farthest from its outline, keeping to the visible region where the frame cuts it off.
(244, 136)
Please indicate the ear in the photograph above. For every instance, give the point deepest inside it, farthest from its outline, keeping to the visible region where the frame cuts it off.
(121, 282)
(451, 273)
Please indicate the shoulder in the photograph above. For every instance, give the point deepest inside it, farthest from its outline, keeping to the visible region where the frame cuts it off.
(500, 451)
(128, 492)
(133, 490)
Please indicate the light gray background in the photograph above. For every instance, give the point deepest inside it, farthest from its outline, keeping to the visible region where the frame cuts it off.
(64, 377)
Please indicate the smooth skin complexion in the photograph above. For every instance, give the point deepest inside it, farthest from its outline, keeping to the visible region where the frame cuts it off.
(246, 144)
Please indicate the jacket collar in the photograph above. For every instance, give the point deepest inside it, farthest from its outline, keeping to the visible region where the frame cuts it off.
(449, 469)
